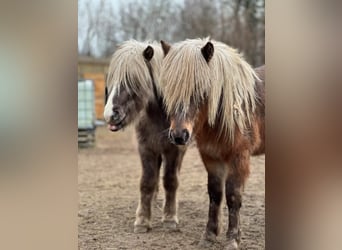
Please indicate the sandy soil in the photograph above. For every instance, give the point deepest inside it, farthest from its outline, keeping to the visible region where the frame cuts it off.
(109, 190)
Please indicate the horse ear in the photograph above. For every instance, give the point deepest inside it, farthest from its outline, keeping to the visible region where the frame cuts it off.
(208, 51)
(166, 47)
(148, 53)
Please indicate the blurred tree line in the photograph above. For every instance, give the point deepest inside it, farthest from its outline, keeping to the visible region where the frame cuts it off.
(238, 23)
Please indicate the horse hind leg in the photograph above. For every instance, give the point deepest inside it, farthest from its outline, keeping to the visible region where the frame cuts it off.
(148, 186)
(173, 161)
(238, 173)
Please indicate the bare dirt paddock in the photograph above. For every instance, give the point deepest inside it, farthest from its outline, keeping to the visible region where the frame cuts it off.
(109, 190)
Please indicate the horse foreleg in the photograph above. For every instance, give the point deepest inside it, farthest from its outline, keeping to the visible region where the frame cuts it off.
(216, 177)
(148, 186)
(238, 173)
(173, 161)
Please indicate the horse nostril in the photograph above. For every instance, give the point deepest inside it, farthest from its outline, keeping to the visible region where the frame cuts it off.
(116, 115)
(180, 137)
(185, 134)
(179, 141)
(171, 136)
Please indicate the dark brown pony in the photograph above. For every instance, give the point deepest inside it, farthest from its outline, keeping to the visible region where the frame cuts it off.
(134, 97)
(211, 93)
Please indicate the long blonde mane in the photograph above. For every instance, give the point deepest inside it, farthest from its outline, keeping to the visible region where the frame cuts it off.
(128, 68)
(186, 78)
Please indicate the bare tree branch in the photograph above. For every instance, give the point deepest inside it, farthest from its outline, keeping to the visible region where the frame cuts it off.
(239, 23)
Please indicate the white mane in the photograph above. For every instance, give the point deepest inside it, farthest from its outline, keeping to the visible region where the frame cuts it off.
(128, 67)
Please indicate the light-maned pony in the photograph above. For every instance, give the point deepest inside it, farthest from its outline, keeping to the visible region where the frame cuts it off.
(212, 94)
(134, 97)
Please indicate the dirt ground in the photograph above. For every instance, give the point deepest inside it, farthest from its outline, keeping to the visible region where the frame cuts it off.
(108, 185)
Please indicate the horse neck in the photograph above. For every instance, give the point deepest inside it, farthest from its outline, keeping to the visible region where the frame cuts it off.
(203, 130)
(153, 82)
(154, 104)
(211, 135)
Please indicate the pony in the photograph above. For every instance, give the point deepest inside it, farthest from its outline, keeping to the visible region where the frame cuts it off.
(134, 97)
(213, 95)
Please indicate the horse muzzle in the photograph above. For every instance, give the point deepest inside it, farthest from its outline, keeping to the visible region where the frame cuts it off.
(116, 121)
(179, 136)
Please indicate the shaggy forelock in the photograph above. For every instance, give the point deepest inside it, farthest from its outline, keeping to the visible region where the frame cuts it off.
(182, 67)
(128, 68)
(186, 78)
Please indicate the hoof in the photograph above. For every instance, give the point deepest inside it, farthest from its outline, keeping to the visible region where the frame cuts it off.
(205, 244)
(170, 225)
(139, 229)
(232, 245)
(208, 240)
